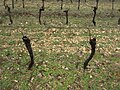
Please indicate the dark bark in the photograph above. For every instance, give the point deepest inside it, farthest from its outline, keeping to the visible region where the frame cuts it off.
(94, 10)
(9, 14)
(27, 43)
(113, 4)
(40, 12)
(4, 2)
(119, 21)
(66, 14)
(71, 1)
(23, 2)
(97, 1)
(43, 3)
(61, 4)
(78, 4)
(93, 46)
(13, 4)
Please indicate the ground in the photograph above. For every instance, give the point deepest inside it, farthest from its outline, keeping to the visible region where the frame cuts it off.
(59, 49)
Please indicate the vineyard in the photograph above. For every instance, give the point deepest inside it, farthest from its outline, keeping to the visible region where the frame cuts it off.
(60, 45)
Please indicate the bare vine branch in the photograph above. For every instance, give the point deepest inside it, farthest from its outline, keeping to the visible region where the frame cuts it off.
(94, 10)
(78, 4)
(9, 14)
(66, 14)
(27, 43)
(92, 42)
(61, 4)
(40, 11)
